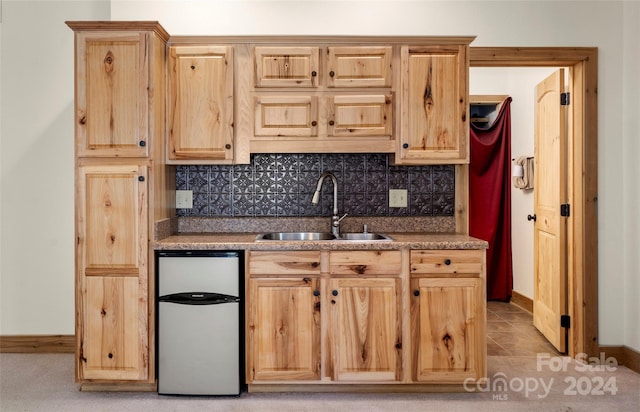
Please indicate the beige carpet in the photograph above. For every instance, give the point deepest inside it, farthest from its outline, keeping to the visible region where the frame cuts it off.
(44, 382)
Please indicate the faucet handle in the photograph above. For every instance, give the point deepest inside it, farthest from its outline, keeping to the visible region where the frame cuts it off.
(364, 228)
(343, 216)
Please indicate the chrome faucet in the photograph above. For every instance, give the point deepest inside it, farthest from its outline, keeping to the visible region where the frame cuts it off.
(335, 219)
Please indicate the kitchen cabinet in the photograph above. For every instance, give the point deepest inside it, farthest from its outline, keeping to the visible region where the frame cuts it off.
(434, 125)
(112, 107)
(200, 128)
(448, 316)
(359, 66)
(354, 298)
(319, 98)
(112, 259)
(283, 316)
(123, 187)
(365, 323)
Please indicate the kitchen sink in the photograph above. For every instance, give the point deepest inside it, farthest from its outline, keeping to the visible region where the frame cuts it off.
(364, 236)
(308, 236)
(289, 236)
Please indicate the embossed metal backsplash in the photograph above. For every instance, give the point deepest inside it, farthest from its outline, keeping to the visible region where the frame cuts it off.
(283, 184)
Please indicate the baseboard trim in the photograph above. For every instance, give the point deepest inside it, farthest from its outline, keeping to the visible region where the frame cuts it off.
(624, 355)
(522, 301)
(37, 344)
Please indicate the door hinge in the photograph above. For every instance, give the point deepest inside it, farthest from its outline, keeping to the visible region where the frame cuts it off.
(565, 210)
(565, 321)
(565, 99)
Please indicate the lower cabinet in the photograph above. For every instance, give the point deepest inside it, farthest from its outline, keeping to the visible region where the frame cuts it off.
(339, 317)
(448, 316)
(283, 329)
(365, 329)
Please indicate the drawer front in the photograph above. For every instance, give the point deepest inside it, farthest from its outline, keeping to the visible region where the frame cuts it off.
(446, 261)
(284, 263)
(367, 115)
(362, 66)
(365, 262)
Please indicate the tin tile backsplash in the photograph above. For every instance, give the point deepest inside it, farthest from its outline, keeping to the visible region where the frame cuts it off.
(282, 185)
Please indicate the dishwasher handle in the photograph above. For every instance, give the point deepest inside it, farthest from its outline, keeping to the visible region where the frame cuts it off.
(198, 298)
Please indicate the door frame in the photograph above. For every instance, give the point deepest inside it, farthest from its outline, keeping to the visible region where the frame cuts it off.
(582, 185)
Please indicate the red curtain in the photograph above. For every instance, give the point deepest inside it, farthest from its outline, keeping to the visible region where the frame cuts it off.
(490, 199)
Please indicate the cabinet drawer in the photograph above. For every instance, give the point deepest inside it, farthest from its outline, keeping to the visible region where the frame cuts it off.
(284, 263)
(446, 261)
(365, 262)
(286, 66)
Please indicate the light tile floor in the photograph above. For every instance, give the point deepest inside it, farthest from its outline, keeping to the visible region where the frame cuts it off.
(510, 332)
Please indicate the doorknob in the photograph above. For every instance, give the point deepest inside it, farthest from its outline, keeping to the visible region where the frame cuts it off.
(531, 217)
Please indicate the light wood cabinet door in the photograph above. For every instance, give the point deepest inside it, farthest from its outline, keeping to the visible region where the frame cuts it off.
(447, 316)
(368, 115)
(283, 329)
(279, 116)
(287, 66)
(201, 104)
(365, 329)
(435, 125)
(359, 66)
(112, 101)
(111, 276)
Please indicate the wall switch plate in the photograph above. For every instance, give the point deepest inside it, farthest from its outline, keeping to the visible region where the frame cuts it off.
(184, 199)
(397, 197)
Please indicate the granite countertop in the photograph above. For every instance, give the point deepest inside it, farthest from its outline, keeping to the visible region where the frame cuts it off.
(235, 240)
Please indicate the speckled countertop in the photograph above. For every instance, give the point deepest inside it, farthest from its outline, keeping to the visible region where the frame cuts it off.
(247, 241)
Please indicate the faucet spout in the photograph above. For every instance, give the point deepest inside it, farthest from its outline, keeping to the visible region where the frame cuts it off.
(335, 219)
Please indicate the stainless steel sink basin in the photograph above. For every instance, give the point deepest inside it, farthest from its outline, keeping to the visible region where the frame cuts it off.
(289, 236)
(309, 236)
(364, 236)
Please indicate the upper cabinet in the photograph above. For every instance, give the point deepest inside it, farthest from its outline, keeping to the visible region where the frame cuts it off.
(286, 66)
(200, 122)
(359, 66)
(434, 125)
(112, 94)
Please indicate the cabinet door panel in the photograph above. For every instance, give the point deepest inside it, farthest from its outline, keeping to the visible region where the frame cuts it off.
(114, 331)
(111, 94)
(283, 329)
(365, 320)
(201, 103)
(286, 66)
(362, 66)
(447, 329)
(286, 116)
(369, 115)
(435, 94)
(112, 220)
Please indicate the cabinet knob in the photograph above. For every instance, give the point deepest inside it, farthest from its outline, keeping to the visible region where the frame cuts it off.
(314, 73)
(314, 123)
(227, 146)
(416, 292)
(334, 292)
(316, 293)
(531, 217)
(140, 178)
(331, 122)
(447, 262)
(405, 145)
(332, 73)
(142, 143)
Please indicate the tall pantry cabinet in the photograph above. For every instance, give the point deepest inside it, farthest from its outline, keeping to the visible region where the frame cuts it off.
(122, 187)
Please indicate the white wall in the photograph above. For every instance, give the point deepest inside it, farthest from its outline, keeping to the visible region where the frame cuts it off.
(519, 83)
(37, 218)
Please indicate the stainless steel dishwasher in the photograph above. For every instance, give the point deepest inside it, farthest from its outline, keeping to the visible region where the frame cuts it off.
(199, 316)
